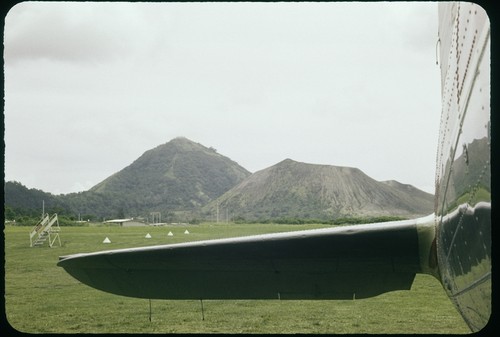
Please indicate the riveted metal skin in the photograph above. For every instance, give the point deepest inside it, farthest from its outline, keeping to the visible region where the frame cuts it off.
(463, 174)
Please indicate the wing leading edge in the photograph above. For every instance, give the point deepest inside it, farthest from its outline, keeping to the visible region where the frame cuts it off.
(334, 263)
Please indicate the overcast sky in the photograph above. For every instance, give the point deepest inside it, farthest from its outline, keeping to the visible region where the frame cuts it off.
(89, 87)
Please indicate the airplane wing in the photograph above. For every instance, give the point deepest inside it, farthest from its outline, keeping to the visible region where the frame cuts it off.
(332, 263)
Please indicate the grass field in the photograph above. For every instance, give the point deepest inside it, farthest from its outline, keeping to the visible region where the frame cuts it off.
(42, 298)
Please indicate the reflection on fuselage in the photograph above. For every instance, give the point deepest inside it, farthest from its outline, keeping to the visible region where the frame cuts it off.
(463, 173)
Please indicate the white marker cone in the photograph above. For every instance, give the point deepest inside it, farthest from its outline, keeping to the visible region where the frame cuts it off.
(106, 240)
(186, 232)
(148, 236)
(170, 234)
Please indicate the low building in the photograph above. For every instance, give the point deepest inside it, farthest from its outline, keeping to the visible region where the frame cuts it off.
(127, 222)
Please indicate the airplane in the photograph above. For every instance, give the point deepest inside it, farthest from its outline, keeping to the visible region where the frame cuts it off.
(453, 244)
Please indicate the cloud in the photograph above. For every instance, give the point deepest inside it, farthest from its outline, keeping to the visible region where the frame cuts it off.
(80, 33)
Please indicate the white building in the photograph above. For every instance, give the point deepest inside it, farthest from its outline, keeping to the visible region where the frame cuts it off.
(127, 222)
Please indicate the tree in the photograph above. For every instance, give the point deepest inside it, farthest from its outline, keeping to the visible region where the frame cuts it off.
(9, 213)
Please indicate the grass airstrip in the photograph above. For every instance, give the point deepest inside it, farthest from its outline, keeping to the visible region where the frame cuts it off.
(42, 298)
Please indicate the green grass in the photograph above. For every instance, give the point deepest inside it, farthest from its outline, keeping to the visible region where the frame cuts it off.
(42, 298)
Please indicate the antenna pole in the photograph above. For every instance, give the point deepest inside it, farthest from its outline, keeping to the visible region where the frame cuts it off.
(150, 310)
(202, 311)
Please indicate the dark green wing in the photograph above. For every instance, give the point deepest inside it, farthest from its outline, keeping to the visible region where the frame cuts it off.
(334, 263)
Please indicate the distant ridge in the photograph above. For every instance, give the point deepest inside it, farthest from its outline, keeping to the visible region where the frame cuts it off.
(294, 189)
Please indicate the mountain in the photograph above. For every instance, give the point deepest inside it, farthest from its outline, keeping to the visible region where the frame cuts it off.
(293, 189)
(180, 175)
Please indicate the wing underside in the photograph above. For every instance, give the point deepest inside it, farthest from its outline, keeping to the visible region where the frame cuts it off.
(334, 263)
